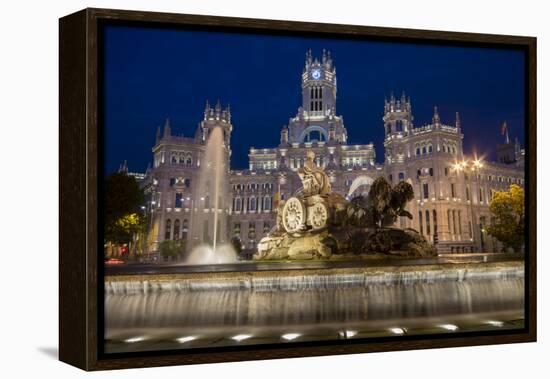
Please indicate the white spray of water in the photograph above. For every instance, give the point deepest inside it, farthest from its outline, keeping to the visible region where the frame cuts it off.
(205, 254)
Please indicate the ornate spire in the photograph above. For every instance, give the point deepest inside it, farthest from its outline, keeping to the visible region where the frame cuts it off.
(436, 120)
(158, 134)
(123, 168)
(457, 121)
(167, 128)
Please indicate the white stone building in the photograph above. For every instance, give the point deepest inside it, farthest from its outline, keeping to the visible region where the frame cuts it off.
(452, 190)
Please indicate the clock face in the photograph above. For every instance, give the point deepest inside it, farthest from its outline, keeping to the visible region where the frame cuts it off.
(316, 73)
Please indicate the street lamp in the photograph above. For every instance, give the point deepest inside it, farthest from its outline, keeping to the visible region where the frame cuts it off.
(475, 166)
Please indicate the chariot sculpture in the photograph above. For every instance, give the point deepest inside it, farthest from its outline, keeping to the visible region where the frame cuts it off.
(316, 223)
(316, 206)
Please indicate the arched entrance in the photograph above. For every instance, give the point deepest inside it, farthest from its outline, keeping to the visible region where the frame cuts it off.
(314, 134)
(360, 186)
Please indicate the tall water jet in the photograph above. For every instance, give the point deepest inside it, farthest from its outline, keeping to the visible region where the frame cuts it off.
(210, 208)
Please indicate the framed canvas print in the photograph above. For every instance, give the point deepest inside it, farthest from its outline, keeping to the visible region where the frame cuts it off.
(237, 189)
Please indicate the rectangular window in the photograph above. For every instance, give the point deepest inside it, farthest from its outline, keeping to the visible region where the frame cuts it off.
(420, 222)
(426, 190)
(179, 200)
(431, 171)
(446, 171)
(453, 191)
(468, 193)
(428, 223)
(481, 195)
(401, 176)
(172, 182)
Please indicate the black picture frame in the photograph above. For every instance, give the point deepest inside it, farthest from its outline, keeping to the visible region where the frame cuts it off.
(81, 170)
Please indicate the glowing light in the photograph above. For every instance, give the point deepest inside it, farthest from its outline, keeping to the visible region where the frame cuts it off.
(449, 327)
(397, 331)
(241, 337)
(347, 333)
(186, 339)
(290, 336)
(134, 339)
(495, 323)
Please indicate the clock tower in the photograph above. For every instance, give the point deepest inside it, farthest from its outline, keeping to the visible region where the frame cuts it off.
(316, 120)
(319, 85)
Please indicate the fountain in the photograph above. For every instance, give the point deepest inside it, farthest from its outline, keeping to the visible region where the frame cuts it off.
(287, 304)
(317, 223)
(210, 208)
(217, 309)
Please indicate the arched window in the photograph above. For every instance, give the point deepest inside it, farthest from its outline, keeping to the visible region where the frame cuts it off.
(423, 149)
(430, 149)
(238, 204)
(189, 161)
(267, 203)
(168, 229)
(177, 229)
(417, 151)
(252, 204)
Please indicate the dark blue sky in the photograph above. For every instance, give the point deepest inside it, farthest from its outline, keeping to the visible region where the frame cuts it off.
(151, 74)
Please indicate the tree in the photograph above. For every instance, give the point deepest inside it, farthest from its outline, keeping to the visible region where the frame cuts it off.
(508, 209)
(122, 202)
(170, 249)
(124, 228)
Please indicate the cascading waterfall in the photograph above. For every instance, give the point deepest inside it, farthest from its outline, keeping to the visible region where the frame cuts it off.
(210, 306)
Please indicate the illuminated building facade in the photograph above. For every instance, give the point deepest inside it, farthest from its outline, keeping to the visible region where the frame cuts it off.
(452, 191)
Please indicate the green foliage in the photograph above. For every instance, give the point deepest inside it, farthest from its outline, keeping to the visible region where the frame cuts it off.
(382, 206)
(171, 249)
(508, 209)
(122, 230)
(122, 202)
